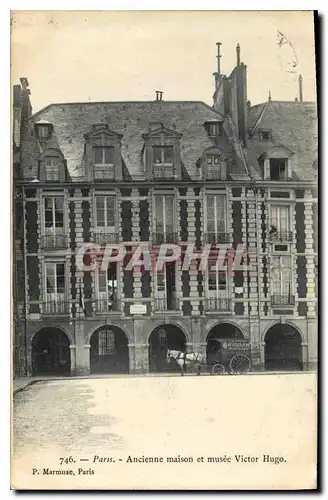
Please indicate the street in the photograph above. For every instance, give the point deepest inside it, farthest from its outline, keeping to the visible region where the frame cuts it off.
(117, 419)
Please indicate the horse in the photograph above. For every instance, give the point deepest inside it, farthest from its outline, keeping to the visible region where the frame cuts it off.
(194, 359)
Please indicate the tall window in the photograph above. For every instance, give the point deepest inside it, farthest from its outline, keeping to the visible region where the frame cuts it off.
(213, 167)
(55, 287)
(43, 131)
(163, 161)
(52, 168)
(54, 214)
(164, 221)
(216, 218)
(107, 288)
(280, 223)
(104, 162)
(281, 281)
(106, 343)
(217, 290)
(278, 169)
(105, 211)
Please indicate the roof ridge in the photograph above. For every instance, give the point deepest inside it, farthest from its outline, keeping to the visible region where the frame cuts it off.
(79, 103)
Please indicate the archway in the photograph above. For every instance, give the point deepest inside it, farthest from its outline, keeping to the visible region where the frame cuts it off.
(50, 352)
(283, 348)
(213, 344)
(161, 339)
(109, 351)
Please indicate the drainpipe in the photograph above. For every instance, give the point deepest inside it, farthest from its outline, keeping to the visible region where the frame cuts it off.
(25, 281)
(258, 244)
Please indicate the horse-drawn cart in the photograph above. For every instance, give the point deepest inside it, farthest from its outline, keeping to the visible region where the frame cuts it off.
(223, 356)
(228, 356)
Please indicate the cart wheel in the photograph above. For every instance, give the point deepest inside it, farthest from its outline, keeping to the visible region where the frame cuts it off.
(240, 364)
(218, 369)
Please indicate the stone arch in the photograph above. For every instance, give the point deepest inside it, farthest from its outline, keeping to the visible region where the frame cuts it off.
(128, 334)
(283, 347)
(51, 355)
(157, 323)
(220, 330)
(109, 350)
(67, 333)
(301, 333)
(215, 324)
(163, 337)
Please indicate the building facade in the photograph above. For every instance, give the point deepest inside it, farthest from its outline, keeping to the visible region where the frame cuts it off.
(236, 176)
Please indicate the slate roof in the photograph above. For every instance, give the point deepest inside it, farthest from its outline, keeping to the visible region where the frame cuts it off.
(292, 125)
(131, 119)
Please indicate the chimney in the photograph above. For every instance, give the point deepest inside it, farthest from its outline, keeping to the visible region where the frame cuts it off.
(217, 75)
(300, 87)
(269, 98)
(218, 57)
(238, 54)
(159, 95)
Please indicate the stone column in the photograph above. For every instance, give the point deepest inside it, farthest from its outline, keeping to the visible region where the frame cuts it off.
(87, 358)
(29, 361)
(262, 354)
(305, 355)
(131, 358)
(141, 358)
(73, 358)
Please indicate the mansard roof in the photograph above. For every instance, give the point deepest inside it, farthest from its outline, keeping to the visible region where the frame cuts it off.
(72, 121)
(293, 125)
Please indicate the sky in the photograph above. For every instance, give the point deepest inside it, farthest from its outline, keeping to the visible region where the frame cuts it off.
(80, 56)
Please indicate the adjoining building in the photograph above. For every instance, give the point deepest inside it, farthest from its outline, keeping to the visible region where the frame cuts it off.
(164, 172)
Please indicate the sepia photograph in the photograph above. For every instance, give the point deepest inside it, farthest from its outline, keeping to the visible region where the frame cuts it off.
(164, 250)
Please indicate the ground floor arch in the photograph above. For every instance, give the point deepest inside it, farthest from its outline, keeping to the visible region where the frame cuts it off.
(51, 352)
(109, 351)
(213, 344)
(283, 348)
(161, 339)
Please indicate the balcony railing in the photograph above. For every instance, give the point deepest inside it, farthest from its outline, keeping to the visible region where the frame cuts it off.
(54, 241)
(280, 236)
(217, 304)
(216, 238)
(168, 237)
(167, 304)
(282, 300)
(104, 238)
(104, 172)
(106, 306)
(163, 171)
(55, 308)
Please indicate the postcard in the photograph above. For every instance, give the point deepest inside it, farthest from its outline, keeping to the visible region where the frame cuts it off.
(164, 250)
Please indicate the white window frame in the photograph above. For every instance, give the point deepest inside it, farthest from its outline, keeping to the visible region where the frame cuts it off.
(163, 294)
(103, 295)
(162, 148)
(43, 131)
(103, 156)
(216, 232)
(164, 196)
(53, 230)
(54, 168)
(106, 228)
(279, 269)
(278, 206)
(55, 297)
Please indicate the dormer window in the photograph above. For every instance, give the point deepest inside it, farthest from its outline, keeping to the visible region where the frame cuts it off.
(213, 165)
(52, 168)
(213, 160)
(163, 161)
(265, 135)
(43, 129)
(213, 129)
(104, 162)
(278, 169)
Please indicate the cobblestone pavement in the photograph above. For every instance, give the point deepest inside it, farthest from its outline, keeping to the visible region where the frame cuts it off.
(155, 416)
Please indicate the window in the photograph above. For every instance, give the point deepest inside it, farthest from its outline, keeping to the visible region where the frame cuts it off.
(280, 223)
(265, 135)
(55, 287)
(104, 162)
(281, 281)
(216, 217)
(278, 169)
(217, 290)
(163, 155)
(107, 288)
(163, 217)
(214, 129)
(54, 214)
(106, 343)
(52, 168)
(43, 131)
(213, 160)
(105, 211)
